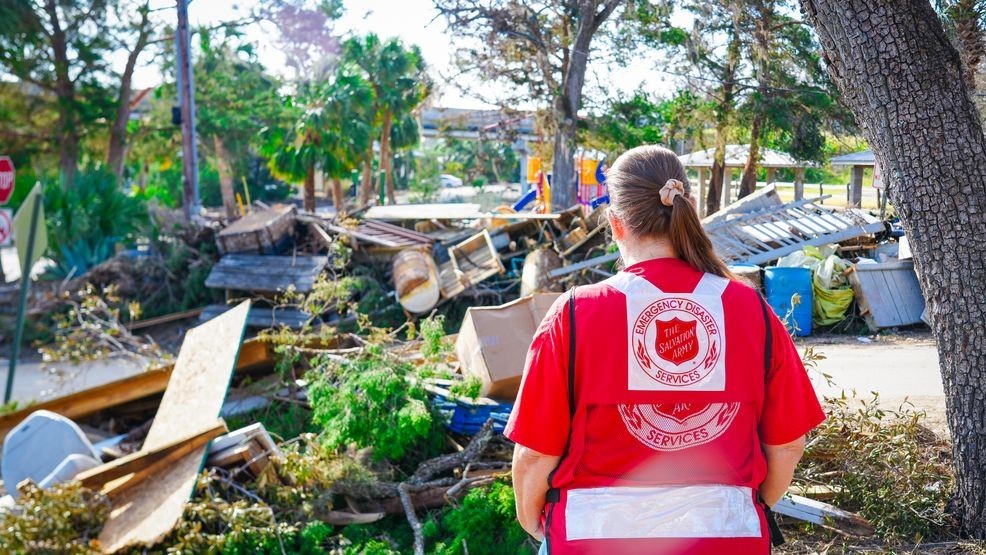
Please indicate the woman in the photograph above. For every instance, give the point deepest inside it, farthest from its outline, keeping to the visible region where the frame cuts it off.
(684, 411)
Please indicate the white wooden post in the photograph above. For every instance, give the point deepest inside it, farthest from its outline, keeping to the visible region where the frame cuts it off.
(703, 175)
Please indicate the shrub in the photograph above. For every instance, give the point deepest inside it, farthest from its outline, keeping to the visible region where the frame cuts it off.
(87, 221)
(484, 524)
(371, 402)
(890, 468)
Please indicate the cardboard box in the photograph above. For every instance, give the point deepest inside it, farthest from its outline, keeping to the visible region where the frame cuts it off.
(493, 342)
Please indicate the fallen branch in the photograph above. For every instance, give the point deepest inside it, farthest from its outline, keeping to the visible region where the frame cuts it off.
(435, 466)
(412, 519)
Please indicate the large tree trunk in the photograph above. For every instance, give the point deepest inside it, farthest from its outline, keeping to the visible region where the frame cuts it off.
(717, 178)
(225, 178)
(338, 199)
(724, 111)
(366, 185)
(68, 133)
(117, 151)
(592, 14)
(309, 192)
(748, 183)
(903, 80)
(386, 162)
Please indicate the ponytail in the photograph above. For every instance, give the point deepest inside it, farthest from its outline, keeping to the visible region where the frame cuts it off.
(649, 191)
(689, 240)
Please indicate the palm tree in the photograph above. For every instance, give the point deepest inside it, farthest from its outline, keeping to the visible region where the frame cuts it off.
(329, 132)
(400, 84)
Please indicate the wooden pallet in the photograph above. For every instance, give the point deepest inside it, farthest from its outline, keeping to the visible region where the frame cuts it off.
(266, 274)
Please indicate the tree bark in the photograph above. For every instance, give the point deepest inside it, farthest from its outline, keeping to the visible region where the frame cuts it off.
(117, 151)
(225, 178)
(718, 173)
(569, 100)
(748, 183)
(338, 200)
(903, 80)
(386, 163)
(68, 144)
(724, 111)
(309, 193)
(366, 185)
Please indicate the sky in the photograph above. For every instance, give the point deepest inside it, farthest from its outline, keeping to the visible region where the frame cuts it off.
(415, 22)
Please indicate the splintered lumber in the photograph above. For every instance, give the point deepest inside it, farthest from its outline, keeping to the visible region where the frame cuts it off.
(146, 461)
(888, 294)
(584, 265)
(823, 514)
(762, 199)
(470, 262)
(261, 232)
(764, 235)
(266, 274)
(447, 211)
(148, 510)
(251, 447)
(255, 355)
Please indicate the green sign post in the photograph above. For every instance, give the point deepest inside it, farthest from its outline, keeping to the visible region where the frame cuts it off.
(31, 238)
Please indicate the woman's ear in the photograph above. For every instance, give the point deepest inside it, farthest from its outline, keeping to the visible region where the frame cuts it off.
(615, 225)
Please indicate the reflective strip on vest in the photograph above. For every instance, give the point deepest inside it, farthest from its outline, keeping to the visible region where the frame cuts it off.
(676, 341)
(701, 511)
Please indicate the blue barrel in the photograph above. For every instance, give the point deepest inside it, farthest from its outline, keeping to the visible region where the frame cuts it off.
(782, 284)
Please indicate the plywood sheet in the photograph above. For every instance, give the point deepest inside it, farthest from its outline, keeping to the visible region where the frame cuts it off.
(145, 513)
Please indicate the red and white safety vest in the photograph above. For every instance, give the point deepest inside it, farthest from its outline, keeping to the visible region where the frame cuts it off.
(687, 412)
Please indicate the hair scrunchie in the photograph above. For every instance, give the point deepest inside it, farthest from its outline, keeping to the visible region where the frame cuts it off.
(671, 189)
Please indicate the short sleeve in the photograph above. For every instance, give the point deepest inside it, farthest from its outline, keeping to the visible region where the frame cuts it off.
(790, 406)
(540, 419)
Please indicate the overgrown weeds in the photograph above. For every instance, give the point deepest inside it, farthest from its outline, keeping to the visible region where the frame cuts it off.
(884, 464)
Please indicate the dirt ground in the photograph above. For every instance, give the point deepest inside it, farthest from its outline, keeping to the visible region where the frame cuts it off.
(901, 367)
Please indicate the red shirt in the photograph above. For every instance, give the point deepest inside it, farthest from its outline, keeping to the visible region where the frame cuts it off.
(699, 437)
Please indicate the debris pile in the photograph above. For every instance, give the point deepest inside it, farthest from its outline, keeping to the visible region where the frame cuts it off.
(320, 393)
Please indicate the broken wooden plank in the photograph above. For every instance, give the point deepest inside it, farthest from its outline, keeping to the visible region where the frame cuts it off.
(261, 232)
(147, 511)
(96, 478)
(823, 514)
(585, 264)
(263, 317)
(165, 319)
(268, 274)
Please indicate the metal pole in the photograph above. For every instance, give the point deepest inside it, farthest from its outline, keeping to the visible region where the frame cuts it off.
(22, 308)
(186, 102)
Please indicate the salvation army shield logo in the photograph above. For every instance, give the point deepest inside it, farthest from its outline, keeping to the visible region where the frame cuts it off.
(677, 426)
(676, 341)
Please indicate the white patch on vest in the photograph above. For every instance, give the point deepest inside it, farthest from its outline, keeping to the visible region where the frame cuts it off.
(673, 427)
(676, 341)
(699, 511)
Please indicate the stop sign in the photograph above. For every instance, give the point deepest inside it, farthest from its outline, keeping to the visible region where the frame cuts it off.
(6, 179)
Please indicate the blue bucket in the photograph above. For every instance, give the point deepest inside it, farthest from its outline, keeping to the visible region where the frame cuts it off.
(782, 284)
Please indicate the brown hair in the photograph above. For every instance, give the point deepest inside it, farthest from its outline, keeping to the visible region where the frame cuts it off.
(635, 181)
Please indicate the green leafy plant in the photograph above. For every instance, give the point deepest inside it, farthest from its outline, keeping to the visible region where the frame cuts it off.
(484, 524)
(468, 388)
(371, 401)
(435, 345)
(87, 221)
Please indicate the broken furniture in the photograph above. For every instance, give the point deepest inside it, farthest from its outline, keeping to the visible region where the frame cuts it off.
(767, 234)
(470, 262)
(260, 232)
(241, 275)
(46, 448)
(493, 341)
(888, 294)
(250, 447)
